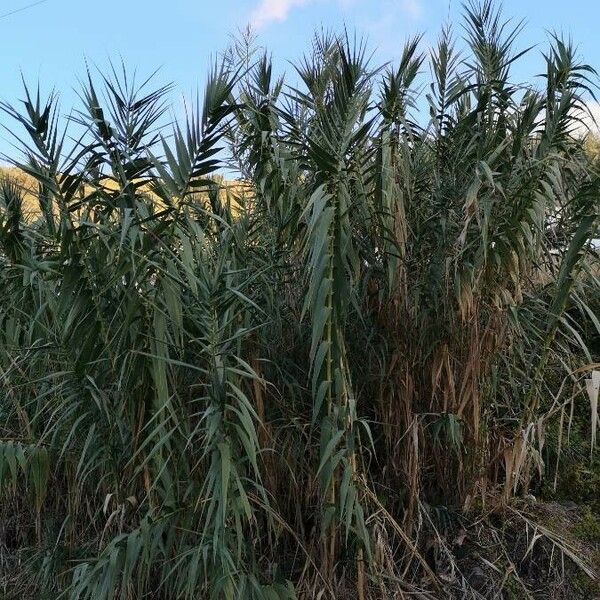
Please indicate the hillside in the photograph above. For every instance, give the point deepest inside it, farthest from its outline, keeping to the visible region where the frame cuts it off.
(233, 190)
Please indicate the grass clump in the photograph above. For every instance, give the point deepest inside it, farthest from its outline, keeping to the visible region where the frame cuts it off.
(335, 380)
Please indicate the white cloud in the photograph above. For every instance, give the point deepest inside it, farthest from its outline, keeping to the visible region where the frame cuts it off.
(277, 11)
(412, 8)
(591, 119)
(274, 10)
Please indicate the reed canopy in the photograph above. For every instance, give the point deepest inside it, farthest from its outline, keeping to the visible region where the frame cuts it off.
(320, 381)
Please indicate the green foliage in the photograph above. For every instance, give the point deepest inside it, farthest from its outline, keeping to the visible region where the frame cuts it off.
(289, 388)
(589, 526)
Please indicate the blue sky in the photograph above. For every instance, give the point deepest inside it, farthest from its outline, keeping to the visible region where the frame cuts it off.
(50, 41)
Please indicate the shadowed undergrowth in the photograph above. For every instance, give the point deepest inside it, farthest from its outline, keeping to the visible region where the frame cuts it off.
(348, 376)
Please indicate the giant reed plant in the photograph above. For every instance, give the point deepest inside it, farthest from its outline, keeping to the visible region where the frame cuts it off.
(299, 385)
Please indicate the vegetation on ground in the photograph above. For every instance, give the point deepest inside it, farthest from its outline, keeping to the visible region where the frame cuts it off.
(376, 377)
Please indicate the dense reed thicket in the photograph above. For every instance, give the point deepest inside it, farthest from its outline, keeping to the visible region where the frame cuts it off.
(325, 382)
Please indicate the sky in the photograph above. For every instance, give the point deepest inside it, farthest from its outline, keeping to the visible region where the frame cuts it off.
(50, 41)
